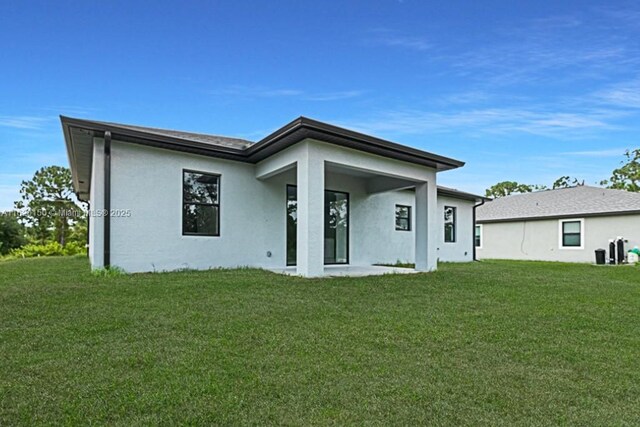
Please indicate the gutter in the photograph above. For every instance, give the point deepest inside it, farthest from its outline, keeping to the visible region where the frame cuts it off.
(107, 201)
(474, 226)
(561, 216)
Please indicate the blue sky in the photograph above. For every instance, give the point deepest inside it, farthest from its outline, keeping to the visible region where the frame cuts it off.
(524, 91)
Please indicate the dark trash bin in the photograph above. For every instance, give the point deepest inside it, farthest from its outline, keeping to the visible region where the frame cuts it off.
(601, 256)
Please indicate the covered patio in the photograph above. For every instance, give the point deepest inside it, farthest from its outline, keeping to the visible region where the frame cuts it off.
(315, 168)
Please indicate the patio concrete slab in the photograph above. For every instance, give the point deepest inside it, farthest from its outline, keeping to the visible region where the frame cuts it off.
(351, 270)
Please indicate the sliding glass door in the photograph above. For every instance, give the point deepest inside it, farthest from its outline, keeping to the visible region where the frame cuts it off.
(336, 226)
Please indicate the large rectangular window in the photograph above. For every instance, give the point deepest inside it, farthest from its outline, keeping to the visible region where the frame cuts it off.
(403, 218)
(200, 204)
(478, 236)
(571, 234)
(449, 224)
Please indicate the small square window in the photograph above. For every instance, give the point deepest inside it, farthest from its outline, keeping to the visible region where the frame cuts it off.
(571, 234)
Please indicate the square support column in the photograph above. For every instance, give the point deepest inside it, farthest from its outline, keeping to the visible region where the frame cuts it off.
(310, 228)
(427, 227)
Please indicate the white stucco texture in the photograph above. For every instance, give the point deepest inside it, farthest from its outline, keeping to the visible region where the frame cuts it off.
(147, 182)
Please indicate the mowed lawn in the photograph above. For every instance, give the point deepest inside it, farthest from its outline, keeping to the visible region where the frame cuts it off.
(497, 343)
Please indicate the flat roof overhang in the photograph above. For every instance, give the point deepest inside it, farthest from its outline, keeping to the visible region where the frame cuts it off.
(451, 192)
(303, 128)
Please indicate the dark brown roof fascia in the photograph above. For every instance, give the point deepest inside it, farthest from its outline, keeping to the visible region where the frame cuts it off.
(303, 127)
(154, 140)
(292, 133)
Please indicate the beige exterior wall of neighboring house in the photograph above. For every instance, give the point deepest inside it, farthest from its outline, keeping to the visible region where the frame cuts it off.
(541, 239)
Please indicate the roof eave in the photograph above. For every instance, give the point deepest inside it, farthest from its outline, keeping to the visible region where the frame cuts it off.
(292, 133)
(461, 195)
(136, 136)
(68, 140)
(347, 138)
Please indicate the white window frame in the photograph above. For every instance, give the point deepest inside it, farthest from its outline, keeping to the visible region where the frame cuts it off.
(481, 236)
(560, 233)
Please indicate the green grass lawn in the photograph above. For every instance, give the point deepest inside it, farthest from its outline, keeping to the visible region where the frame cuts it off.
(497, 343)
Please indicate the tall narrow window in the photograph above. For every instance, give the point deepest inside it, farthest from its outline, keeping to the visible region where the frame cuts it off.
(571, 234)
(336, 227)
(449, 224)
(478, 236)
(292, 224)
(403, 218)
(200, 204)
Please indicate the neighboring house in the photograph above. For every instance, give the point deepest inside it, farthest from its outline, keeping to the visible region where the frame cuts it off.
(566, 224)
(308, 195)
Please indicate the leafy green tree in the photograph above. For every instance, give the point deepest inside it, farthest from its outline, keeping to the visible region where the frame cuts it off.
(11, 232)
(566, 182)
(79, 231)
(48, 205)
(626, 177)
(506, 188)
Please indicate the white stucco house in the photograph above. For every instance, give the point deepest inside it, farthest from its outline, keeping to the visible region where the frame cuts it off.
(566, 224)
(307, 196)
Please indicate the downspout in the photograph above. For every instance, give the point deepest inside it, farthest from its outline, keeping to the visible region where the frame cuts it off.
(89, 236)
(107, 200)
(474, 227)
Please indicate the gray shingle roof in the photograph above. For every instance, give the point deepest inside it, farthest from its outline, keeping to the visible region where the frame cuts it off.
(573, 201)
(223, 141)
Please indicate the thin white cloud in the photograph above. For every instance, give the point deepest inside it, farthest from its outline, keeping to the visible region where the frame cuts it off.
(468, 97)
(263, 92)
(391, 38)
(614, 152)
(334, 96)
(414, 43)
(278, 92)
(569, 125)
(625, 94)
(24, 122)
(553, 49)
(621, 16)
(560, 21)
(256, 91)
(70, 110)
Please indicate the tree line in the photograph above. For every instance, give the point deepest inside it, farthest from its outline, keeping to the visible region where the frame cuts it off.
(48, 212)
(626, 177)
